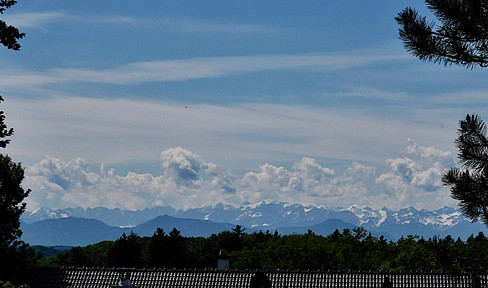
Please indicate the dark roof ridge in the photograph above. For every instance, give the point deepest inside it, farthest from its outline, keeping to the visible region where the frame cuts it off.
(215, 270)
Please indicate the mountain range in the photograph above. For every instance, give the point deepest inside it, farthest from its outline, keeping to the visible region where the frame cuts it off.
(82, 232)
(80, 227)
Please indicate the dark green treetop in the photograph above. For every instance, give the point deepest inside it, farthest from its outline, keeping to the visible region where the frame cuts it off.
(461, 37)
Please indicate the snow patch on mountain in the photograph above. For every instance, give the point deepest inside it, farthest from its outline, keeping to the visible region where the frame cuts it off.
(265, 214)
(257, 215)
(287, 217)
(367, 215)
(446, 220)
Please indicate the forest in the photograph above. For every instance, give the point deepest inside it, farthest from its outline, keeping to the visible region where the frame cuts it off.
(347, 250)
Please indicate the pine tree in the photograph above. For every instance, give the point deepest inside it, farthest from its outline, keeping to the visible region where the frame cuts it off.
(470, 186)
(461, 38)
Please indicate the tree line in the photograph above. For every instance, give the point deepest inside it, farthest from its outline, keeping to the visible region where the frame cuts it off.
(354, 249)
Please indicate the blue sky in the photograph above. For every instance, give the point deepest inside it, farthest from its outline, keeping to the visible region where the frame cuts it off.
(189, 103)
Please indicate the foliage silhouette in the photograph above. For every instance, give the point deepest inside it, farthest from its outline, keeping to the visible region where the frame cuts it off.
(470, 186)
(12, 251)
(127, 251)
(461, 38)
(8, 33)
(17, 257)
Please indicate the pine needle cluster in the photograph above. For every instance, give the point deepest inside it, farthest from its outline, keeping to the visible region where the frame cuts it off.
(470, 185)
(460, 38)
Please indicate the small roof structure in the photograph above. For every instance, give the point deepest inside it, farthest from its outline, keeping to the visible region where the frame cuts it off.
(209, 278)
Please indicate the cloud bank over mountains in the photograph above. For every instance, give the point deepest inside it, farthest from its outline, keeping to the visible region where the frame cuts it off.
(188, 181)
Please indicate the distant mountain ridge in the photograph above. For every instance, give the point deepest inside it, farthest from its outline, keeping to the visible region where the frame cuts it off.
(283, 217)
(272, 215)
(82, 232)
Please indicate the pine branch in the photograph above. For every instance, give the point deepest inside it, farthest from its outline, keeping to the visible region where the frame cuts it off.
(470, 190)
(473, 143)
(462, 38)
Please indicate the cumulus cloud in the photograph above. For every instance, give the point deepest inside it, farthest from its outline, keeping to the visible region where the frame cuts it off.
(407, 174)
(183, 167)
(271, 182)
(57, 183)
(187, 181)
(430, 153)
(418, 175)
(307, 182)
(355, 183)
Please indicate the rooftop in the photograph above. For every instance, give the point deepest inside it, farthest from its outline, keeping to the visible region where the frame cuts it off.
(195, 278)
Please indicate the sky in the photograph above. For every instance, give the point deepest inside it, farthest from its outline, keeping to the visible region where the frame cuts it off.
(136, 104)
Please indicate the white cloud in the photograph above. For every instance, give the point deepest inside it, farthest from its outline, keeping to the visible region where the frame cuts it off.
(189, 181)
(57, 183)
(166, 24)
(36, 20)
(312, 170)
(183, 167)
(431, 153)
(123, 132)
(470, 95)
(356, 183)
(197, 68)
(416, 178)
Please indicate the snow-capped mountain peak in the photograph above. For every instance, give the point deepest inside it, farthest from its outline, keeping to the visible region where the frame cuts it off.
(276, 215)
